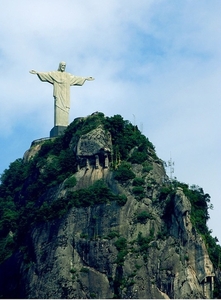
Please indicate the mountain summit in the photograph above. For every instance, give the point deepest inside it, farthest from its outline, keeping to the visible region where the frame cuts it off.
(92, 214)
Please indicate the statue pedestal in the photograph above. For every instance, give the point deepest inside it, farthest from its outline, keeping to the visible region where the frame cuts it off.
(57, 130)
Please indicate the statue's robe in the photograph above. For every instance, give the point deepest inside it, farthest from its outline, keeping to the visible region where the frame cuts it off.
(61, 92)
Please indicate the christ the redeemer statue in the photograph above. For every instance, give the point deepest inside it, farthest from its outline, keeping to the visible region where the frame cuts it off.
(61, 81)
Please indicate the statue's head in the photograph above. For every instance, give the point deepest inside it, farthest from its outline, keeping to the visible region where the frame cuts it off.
(62, 66)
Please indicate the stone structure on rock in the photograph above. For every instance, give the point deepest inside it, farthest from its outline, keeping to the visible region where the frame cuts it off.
(94, 149)
(61, 81)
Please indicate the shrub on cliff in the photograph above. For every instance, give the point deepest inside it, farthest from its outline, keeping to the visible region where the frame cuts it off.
(124, 173)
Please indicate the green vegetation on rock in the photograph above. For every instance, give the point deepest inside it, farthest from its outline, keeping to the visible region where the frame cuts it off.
(124, 172)
(24, 184)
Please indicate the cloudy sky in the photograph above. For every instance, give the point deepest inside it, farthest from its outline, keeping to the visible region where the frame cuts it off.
(155, 62)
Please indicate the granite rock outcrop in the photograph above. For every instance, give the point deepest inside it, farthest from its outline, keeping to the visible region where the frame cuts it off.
(109, 250)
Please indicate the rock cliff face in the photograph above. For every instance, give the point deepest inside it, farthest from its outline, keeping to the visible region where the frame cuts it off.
(107, 250)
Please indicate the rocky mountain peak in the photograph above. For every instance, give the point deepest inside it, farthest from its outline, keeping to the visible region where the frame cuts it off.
(103, 220)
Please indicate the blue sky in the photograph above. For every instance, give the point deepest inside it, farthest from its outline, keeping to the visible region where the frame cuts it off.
(155, 62)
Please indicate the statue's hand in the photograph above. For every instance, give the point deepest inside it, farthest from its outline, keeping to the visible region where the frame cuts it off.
(33, 72)
(90, 78)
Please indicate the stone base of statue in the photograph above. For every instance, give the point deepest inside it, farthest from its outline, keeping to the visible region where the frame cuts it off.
(57, 130)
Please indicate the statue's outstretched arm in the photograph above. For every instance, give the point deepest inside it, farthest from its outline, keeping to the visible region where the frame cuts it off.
(33, 72)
